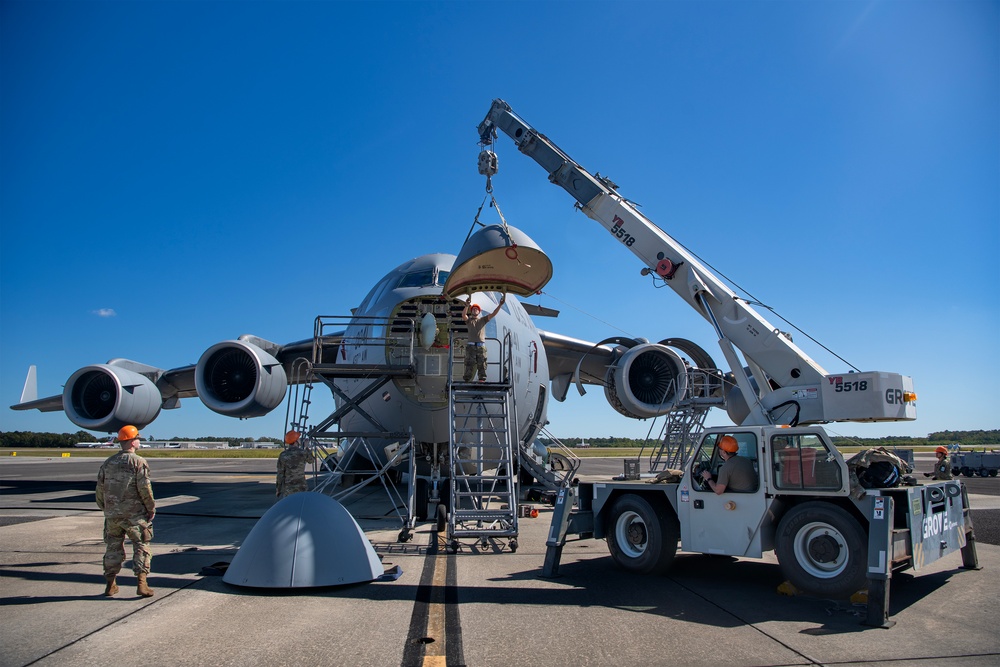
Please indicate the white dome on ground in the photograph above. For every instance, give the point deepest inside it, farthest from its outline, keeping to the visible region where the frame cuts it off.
(303, 541)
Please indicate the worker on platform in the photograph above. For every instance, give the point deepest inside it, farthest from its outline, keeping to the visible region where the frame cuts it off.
(736, 473)
(125, 494)
(942, 467)
(291, 476)
(475, 348)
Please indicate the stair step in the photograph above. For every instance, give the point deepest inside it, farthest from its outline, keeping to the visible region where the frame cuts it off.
(479, 430)
(494, 464)
(487, 533)
(480, 515)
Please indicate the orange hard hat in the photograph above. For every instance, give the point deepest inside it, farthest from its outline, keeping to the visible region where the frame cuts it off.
(127, 433)
(728, 444)
(291, 437)
(940, 449)
(475, 306)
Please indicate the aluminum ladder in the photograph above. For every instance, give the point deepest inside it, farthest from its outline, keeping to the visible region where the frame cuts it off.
(482, 502)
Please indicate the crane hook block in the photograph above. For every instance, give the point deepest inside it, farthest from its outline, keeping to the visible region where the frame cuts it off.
(487, 163)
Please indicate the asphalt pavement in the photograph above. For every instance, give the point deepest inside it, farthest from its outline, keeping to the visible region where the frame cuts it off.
(477, 607)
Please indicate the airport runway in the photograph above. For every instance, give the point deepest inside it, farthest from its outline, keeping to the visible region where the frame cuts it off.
(470, 608)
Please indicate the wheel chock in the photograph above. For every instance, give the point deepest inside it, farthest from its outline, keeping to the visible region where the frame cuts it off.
(786, 588)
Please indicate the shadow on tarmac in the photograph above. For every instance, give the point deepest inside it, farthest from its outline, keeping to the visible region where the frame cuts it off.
(238, 495)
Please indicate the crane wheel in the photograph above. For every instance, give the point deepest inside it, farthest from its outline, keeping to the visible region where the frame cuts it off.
(640, 538)
(822, 550)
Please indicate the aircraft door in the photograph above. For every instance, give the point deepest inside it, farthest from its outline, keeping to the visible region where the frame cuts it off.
(727, 523)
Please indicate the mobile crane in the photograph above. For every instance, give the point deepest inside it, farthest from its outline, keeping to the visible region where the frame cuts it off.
(832, 537)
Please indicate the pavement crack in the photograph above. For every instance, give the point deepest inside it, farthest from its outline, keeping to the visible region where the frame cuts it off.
(158, 599)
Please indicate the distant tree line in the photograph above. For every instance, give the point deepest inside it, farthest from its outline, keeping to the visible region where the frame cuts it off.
(26, 439)
(964, 438)
(968, 439)
(596, 442)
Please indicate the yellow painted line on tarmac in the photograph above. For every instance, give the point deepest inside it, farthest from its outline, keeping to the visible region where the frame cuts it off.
(435, 653)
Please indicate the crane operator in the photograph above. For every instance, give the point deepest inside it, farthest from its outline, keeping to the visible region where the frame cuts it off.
(735, 474)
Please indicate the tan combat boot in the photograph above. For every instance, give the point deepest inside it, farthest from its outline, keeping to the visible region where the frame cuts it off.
(142, 589)
(112, 587)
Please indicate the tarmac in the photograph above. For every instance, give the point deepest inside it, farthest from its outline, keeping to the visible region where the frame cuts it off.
(477, 607)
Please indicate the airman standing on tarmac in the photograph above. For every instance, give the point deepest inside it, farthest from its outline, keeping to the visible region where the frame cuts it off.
(942, 467)
(125, 494)
(291, 476)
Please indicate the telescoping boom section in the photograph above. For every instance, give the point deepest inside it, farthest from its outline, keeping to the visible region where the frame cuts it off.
(785, 385)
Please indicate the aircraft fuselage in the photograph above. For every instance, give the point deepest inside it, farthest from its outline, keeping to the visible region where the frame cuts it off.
(419, 404)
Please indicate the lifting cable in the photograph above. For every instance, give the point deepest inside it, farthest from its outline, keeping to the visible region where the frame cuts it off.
(753, 301)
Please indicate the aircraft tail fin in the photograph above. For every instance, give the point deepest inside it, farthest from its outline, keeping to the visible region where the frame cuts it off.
(29, 395)
(30, 391)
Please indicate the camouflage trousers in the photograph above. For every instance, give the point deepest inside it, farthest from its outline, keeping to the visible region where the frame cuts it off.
(475, 361)
(139, 532)
(289, 487)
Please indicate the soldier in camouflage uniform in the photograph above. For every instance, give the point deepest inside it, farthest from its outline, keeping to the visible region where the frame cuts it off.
(291, 467)
(475, 347)
(942, 466)
(126, 496)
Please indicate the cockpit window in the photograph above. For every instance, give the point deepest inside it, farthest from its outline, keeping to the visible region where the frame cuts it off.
(374, 295)
(417, 279)
(442, 277)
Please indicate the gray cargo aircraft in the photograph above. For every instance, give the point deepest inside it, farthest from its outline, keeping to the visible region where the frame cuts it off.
(249, 376)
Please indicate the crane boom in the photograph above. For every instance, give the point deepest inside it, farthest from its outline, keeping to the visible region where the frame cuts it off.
(787, 385)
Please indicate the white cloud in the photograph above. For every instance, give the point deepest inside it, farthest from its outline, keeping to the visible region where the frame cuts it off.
(104, 312)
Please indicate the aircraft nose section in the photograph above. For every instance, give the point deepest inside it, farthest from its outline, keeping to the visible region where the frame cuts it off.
(499, 258)
(303, 541)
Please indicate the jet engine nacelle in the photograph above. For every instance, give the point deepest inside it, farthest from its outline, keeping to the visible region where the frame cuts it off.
(238, 379)
(105, 398)
(647, 381)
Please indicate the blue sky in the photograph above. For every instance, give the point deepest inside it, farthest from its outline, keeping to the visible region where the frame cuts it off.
(173, 174)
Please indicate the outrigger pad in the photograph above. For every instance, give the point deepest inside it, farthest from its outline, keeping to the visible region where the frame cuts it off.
(303, 541)
(499, 259)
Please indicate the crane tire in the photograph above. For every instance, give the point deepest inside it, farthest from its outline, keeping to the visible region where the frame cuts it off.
(822, 550)
(642, 538)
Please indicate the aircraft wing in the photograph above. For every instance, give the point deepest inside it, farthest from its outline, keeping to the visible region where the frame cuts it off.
(180, 382)
(48, 404)
(572, 360)
(240, 376)
(640, 379)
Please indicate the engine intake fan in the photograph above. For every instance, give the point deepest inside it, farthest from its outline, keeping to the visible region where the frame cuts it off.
(104, 397)
(647, 381)
(238, 379)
